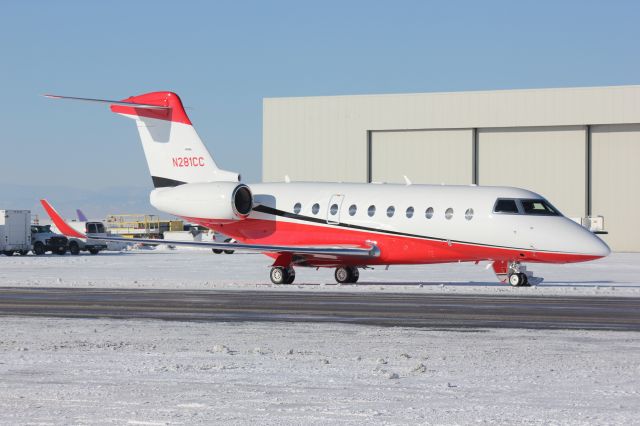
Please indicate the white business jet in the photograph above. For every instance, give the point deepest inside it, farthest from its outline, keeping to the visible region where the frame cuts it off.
(346, 226)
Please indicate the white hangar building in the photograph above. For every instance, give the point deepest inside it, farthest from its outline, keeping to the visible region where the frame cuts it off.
(578, 147)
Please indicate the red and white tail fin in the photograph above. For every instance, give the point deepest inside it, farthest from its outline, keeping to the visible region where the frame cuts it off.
(175, 154)
(60, 223)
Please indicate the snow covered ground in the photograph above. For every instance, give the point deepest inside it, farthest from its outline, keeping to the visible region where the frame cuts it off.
(619, 274)
(74, 371)
(80, 371)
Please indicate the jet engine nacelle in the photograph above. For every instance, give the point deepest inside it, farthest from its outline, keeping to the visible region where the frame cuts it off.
(222, 202)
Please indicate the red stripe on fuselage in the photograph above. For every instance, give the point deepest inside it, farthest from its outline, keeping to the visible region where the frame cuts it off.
(394, 249)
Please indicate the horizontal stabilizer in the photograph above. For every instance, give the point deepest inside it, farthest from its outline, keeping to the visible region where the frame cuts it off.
(106, 101)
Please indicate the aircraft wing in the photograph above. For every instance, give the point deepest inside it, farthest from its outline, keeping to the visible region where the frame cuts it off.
(331, 252)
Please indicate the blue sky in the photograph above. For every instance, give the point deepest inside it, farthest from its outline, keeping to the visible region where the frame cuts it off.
(223, 58)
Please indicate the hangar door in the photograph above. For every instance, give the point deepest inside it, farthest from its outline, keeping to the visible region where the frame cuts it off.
(424, 156)
(616, 183)
(548, 160)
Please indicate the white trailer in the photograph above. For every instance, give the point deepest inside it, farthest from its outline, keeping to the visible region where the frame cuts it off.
(15, 232)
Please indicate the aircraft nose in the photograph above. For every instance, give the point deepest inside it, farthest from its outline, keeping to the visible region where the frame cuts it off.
(594, 246)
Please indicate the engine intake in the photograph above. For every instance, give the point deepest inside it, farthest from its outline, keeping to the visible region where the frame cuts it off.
(219, 202)
(242, 200)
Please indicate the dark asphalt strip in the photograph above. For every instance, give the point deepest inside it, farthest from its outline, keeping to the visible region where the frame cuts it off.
(382, 309)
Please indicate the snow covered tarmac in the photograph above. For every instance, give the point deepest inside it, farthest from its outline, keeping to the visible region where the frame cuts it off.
(70, 371)
(617, 275)
(64, 371)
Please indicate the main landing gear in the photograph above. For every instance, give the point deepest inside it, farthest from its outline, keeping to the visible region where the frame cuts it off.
(280, 275)
(343, 275)
(347, 274)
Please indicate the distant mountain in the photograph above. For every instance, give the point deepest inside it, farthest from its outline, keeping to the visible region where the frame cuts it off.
(95, 203)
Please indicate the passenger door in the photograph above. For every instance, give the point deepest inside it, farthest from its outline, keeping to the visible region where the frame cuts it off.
(333, 209)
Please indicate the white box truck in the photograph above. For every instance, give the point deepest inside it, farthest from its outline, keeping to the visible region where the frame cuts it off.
(15, 232)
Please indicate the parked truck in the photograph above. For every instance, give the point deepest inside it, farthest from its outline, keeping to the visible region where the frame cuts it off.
(15, 232)
(76, 245)
(43, 239)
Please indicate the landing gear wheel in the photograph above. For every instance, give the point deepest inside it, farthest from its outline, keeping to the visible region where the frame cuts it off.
(280, 275)
(38, 248)
(518, 280)
(23, 252)
(74, 248)
(515, 280)
(229, 240)
(94, 251)
(347, 274)
(216, 251)
(291, 276)
(61, 250)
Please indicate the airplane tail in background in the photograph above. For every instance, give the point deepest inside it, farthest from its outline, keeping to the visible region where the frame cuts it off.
(174, 152)
(81, 216)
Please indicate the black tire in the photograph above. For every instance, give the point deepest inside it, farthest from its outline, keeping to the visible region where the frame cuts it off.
(217, 251)
(23, 252)
(38, 248)
(355, 274)
(342, 274)
(94, 251)
(525, 280)
(61, 251)
(291, 276)
(515, 280)
(228, 240)
(74, 248)
(278, 275)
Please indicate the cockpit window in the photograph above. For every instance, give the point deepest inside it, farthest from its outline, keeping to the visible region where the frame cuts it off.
(538, 207)
(506, 206)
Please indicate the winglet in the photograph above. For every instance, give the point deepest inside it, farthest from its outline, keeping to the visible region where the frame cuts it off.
(62, 226)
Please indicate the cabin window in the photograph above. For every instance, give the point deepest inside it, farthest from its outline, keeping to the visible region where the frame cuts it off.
(353, 209)
(390, 211)
(409, 212)
(334, 209)
(315, 208)
(468, 214)
(297, 207)
(538, 207)
(505, 206)
(448, 213)
(371, 211)
(428, 213)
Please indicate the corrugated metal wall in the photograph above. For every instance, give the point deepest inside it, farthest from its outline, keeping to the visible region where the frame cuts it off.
(548, 160)
(616, 183)
(427, 156)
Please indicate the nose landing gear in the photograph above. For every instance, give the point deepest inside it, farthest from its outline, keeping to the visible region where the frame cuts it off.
(515, 274)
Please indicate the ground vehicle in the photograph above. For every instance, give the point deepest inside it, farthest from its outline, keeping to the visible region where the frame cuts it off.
(44, 240)
(78, 242)
(76, 245)
(15, 236)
